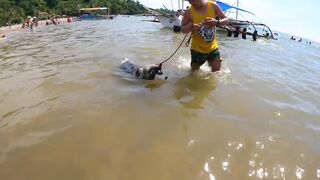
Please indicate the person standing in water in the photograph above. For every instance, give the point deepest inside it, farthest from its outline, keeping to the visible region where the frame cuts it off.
(177, 21)
(201, 19)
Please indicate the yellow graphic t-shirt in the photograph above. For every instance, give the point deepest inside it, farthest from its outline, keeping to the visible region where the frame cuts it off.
(204, 40)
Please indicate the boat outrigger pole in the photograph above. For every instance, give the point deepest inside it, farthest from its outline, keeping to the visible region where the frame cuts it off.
(237, 10)
(182, 5)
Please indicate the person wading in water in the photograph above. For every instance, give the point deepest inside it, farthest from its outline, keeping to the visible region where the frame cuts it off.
(201, 19)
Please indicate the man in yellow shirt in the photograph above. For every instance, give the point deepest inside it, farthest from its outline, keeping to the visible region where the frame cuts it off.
(201, 19)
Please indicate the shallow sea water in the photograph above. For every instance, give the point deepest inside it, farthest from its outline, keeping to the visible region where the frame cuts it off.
(68, 112)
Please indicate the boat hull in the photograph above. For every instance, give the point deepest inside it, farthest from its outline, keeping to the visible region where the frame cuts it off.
(242, 24)
(166, 21)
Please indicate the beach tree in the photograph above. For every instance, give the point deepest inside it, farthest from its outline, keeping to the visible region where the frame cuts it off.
(67, 7)
(52, 3)
(16, 11)
(31, 7)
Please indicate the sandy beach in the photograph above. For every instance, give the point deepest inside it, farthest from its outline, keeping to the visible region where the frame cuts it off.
(5, 30)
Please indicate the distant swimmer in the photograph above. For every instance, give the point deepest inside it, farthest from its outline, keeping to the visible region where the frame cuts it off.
(2, 37)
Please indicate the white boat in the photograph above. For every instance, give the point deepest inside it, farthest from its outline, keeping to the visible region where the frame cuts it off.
(250, 27)
(94, 13)
(165, 20)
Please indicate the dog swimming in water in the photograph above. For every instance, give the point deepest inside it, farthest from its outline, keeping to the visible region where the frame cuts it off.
(147, 72)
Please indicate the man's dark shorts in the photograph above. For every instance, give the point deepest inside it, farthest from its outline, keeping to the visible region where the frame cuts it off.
(198, 58)
(176, 28)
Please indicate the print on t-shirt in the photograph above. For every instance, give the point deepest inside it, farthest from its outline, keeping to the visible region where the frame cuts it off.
(207, 33)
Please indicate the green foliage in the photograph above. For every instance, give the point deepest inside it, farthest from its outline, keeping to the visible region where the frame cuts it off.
(167, 11)
(32, 7)
(67, 7)
(9, 12)
(16, 11)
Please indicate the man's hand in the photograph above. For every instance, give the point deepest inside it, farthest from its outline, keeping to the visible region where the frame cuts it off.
(210, 22)
(196, 27)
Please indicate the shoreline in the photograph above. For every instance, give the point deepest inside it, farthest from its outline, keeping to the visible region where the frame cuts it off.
(6, 30)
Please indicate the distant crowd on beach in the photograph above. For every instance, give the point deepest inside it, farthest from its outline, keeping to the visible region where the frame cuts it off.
(31, 22)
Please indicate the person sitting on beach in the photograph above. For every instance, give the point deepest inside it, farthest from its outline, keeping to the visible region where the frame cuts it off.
(23, 25)
(177, 21)
(200, 19)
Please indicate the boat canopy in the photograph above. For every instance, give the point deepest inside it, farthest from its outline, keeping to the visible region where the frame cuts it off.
(94, 9)
(225, 7)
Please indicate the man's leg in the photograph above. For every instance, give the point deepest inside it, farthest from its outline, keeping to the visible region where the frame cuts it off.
(197, 59)
(215, 65)
(214, 60)
(195, 67)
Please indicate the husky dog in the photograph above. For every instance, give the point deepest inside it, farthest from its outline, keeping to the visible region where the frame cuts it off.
(147, 72)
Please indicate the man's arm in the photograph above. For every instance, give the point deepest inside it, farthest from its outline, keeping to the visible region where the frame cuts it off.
(187, 25)
(223, 20)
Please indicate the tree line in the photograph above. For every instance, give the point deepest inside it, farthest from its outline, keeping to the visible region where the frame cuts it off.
(16, 11)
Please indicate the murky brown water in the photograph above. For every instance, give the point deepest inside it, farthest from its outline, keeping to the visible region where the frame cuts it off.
(68, 112)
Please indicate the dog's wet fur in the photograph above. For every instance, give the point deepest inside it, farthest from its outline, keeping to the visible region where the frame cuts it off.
(147, 72)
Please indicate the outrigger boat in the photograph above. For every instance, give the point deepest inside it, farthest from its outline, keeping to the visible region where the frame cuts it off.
(249, 27)
(94, 13)
(167, 19)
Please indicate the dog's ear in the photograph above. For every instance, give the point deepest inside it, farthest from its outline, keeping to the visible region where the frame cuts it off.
(159, 69)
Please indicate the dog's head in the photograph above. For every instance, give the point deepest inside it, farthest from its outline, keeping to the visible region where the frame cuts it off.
(150, 71)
